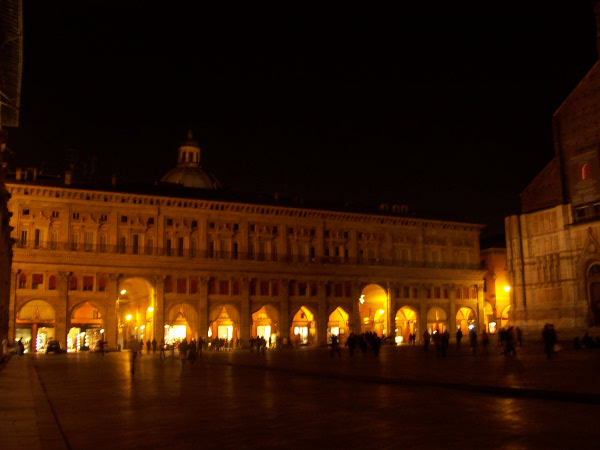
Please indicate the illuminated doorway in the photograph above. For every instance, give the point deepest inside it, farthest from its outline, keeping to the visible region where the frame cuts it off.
(406, 324)
(181, 320)
(264, 324)
(86, 328)
(303, 330)
(223, 330)
(338, 325)
(505, 317)
(436, 320)
(464, 318)
(373, 310)
(35, 325)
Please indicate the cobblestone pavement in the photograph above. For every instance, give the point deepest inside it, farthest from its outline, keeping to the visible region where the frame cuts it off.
(302, 398)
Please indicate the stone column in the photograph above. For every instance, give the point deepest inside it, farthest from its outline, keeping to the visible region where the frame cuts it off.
(390, 324)
(356, 320)
(422, 316)
(159, 308)
(321, 315)
(284, 316)
(245, 317)
(111, 324)
(452, 318)
(12, 313)
(61, 324)
(480, 306)
(203, 308)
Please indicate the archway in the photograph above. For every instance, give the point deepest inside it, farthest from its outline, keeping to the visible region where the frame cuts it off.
(338, 325)
(437, 320)
(264, 323)
(302, 331)
(406, 324)
(373, 310)
(505, 317)
(465, 317)
(87, 327)
(223, 329)
(180, 324)
(489, 322)
(35, 325)
(135, 311)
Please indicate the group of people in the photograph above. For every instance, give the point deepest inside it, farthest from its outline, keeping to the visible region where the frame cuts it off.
(441, 341)
(367, 342)
(586, 342)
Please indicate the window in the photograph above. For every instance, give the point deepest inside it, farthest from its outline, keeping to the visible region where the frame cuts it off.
(168, 249)
(212, 287)
(465, 293)
(53, 239)
(264, 288)
(103, 217)
(234, 250)
(253, 284)
(169, 222)
(211, 225)
(73, 283)
(338, 290)
(151, 221)
(168, 285)
(123, 219)
(405, 291)
(274, 288)
(347, 289)
(23, 241)
(302, 289)
(75, 216)
(54, 214)
(181, 285)
(180, 246)
(36, 280)
(22, 281)
(37, 238)
(194, 224)
(235, 288)
(224, 287)
(88, 283)
(25, 212)
(193, 286)
(74, 240)
(101, 284)
(211, 249)
(437, 292)
(52, 283)
(88, 241)
(103, 243)
(122, 244)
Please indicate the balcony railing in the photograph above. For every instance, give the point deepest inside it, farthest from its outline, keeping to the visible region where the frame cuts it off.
(240, 256)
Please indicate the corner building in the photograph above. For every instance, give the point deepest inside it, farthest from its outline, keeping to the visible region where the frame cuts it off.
(186, 258)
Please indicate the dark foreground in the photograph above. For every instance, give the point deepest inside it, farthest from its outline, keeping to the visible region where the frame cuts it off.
(406, 398)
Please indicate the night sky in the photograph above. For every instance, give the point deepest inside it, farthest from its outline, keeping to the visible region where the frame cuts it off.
(442, 106)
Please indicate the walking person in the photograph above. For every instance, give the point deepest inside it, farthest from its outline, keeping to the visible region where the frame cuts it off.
(148, 345)
(161, 349)
(459, 336)
(351, 343)
(134, 348)
(183, 349)
(153, 345)
(335, 346)
(445, 342)
(549, 338)
(473, 340)
(426, 339)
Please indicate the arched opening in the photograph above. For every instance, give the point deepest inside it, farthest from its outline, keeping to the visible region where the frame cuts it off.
(180, 324)
(465, 317)
(489, 322)
(302, 331)
(373, 310)
(135, 306)
(86, 328)
(406, 324)
(505, 317)
(437, 320)
(337, 325)
(223, 330)
(35, 325)
(264, 324)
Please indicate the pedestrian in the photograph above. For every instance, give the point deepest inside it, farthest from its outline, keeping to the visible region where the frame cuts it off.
(437, 342)
(485, 340)
(426, 339)
(335, 346)
(183, 348)
(445, 342)
(473, 340)
(351, 344)
(161, 349)
(141, 345)
(20, 347)
(459, 336)
(101, 344)
(549, 338)
(192, 351)
(134, 348)
(153, 345)
(376, 344)
(148, 345)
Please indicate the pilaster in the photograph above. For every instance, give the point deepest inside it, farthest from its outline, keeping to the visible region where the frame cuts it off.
(62, 308)
(322, 316)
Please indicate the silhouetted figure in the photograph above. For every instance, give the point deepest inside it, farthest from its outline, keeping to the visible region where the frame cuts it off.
(183, 349)
(335, 346)
(153, 345)
(426, 339)
(549, 338)
(20, 347)
(445, 342)
(148, 345)
(473, 340)
(351, 344)
(459, 336)
(162, 349)
(485, 340)
(134, 348)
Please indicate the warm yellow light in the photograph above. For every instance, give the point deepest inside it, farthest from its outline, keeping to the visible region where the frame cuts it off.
(128, 317)
(102, 330)
(150, 309)
(362, 298)
(506, 288)
(123, 291)
(142, 327)
(381, 311)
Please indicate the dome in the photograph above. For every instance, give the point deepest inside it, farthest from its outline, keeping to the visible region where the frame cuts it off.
(188, 172)
(191, 177)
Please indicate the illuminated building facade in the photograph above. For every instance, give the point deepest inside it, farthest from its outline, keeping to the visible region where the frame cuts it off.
(185, 258)
(553, 249)
(496, 288)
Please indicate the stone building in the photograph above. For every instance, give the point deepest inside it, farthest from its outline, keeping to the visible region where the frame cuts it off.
(552, 246)
(186, 258)
(496, 288)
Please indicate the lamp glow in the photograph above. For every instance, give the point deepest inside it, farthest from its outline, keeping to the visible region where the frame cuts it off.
(506, 288)
(128, 317)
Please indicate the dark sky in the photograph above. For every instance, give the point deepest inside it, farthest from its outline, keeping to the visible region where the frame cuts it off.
(443, 106)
